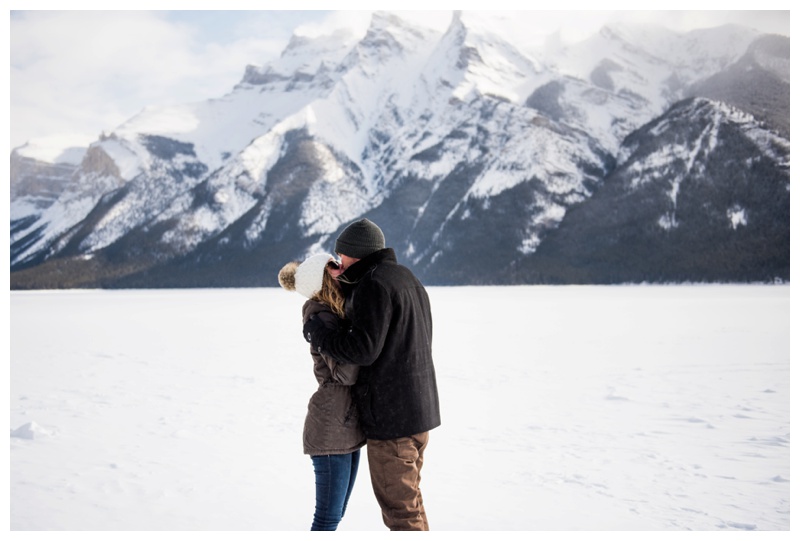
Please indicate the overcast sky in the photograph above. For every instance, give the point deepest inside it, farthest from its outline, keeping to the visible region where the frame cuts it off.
(74, 74)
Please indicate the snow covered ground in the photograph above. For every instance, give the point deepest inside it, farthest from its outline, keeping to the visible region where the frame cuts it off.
(564, 408)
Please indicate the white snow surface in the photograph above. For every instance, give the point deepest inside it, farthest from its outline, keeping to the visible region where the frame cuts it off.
(629, 408)
(53, 149)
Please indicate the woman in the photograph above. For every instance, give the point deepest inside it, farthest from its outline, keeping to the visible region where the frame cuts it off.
(331, 434)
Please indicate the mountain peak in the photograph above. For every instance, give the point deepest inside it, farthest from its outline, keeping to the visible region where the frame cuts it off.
(303, 57)
(438, 135)
(392, 35)
(382, 20)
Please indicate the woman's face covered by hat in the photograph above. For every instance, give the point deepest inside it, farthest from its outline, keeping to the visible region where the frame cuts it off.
(305, 278)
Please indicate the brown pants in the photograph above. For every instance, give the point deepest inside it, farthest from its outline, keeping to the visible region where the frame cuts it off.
(394, 466)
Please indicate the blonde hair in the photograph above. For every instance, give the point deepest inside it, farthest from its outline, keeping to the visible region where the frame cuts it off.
(330, 294)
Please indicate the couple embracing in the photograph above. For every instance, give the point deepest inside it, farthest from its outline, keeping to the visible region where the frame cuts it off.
(368, 320)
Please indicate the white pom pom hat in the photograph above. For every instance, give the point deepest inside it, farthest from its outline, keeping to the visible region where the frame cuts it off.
(309, 274)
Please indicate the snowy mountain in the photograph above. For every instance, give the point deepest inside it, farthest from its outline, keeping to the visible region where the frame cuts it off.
(700, 194)
(468, 151)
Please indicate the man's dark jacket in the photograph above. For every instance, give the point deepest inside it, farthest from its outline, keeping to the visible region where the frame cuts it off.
(389, 335)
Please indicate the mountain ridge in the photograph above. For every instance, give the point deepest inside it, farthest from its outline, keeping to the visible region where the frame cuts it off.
(460, 145)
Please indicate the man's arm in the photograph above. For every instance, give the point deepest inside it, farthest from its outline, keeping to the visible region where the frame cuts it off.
(363, 341)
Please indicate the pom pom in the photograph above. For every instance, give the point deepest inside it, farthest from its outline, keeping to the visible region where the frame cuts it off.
(286, 275)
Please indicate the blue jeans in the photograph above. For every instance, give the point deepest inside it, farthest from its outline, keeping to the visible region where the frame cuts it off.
(335, 477)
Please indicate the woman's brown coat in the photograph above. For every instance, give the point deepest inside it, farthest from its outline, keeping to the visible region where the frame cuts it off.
(331, 425)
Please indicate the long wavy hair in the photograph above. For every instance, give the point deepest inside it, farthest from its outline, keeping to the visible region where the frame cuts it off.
(331, 294)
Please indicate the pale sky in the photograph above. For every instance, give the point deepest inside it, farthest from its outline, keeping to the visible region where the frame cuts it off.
(77, 73)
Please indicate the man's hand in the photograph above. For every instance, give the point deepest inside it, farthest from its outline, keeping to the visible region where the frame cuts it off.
(311, 326)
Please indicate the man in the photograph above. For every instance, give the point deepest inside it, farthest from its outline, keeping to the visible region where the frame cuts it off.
(389, 335)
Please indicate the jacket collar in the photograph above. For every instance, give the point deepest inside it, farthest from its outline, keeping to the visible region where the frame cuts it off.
(357, 270)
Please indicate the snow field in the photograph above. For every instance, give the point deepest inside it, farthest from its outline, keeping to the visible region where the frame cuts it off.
(628, 408)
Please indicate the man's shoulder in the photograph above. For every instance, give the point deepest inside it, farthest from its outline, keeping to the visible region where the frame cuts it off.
(383, 270)
(394, 275)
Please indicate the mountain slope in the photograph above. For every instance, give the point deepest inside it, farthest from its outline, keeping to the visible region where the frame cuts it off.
(701, 194)
(757, 83)
(466, 150)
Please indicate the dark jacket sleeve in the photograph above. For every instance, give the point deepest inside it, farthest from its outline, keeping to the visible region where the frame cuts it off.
(370, 320)
(346, 374)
